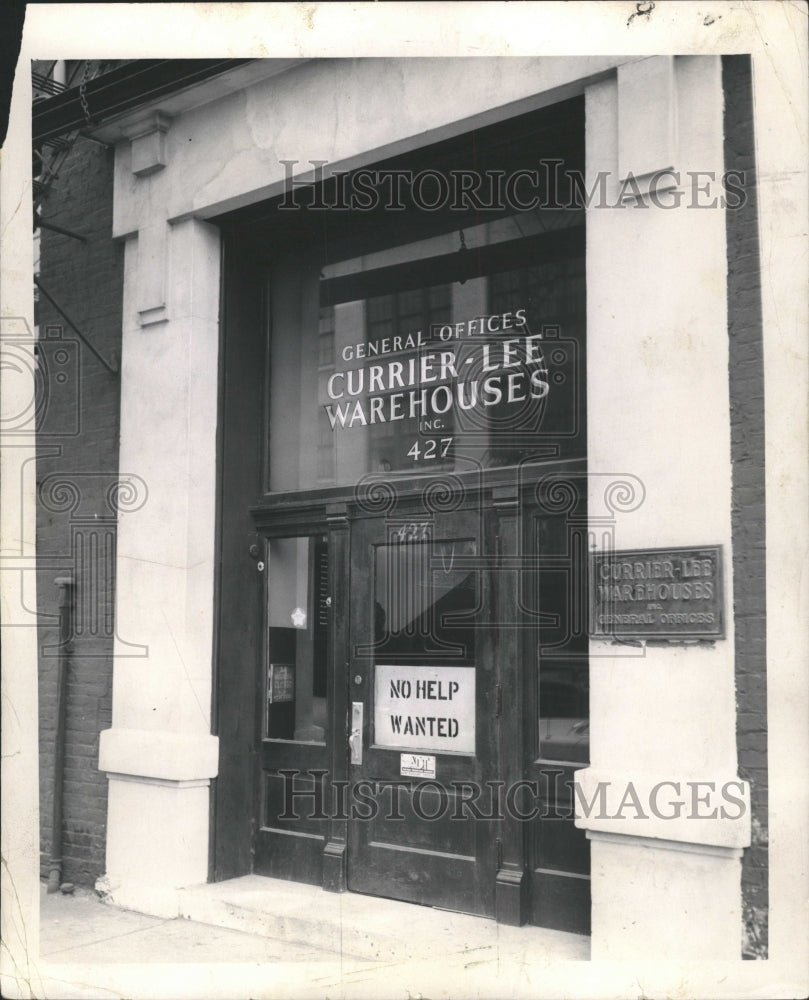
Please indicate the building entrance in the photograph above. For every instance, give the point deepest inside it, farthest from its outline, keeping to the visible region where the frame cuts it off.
(402, 659)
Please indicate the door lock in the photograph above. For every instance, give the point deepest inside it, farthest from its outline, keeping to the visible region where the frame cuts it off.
(355, 737)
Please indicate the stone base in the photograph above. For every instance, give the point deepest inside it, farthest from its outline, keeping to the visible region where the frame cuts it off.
(665, 900)
(151, 899)
(157, 816)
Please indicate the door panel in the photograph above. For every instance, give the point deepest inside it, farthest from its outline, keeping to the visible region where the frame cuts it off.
(559, 742)
(294, 792)
(424, 673)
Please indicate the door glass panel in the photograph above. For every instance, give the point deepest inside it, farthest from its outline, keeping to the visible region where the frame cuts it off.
(295, 686)
(563, 643)
(425, 600)
(430, 356)
(564, 727)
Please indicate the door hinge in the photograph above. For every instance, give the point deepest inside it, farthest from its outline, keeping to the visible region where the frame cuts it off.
(498, 700)
(498, 846)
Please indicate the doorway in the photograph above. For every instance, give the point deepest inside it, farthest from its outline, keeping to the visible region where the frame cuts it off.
(401, 656)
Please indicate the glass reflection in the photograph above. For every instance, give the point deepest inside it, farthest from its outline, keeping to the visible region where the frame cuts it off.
(423, 603)
(564, 726)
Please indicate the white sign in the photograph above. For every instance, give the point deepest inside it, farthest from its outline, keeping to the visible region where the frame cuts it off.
(425, 708)
(417, 765)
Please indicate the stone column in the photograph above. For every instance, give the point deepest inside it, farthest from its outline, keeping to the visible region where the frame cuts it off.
(159, 754)
(665, 884)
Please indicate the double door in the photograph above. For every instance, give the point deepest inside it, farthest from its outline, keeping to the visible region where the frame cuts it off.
(380, 720)
(424, 706)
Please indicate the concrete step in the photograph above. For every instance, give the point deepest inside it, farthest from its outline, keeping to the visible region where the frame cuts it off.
(368, 927)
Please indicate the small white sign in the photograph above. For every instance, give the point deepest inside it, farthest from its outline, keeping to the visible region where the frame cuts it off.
(425, 708)
(417, 765)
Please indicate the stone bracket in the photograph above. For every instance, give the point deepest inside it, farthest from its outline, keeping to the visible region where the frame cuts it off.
(148, 146)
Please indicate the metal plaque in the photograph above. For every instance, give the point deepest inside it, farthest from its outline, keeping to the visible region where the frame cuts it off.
(667, 594)
(416, 765)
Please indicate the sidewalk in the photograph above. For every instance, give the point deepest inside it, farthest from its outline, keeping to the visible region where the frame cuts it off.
(82, 929)
(282, 940)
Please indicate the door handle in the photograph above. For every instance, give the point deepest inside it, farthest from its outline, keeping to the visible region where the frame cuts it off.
(355, 737)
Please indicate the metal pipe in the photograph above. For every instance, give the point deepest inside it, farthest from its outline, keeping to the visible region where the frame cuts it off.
(65, 585)
(39, 221)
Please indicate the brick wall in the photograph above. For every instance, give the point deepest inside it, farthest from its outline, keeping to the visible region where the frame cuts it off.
(748, 507)
(77, 464)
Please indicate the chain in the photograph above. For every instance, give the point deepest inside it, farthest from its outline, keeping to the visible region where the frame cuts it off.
(462, 249)
(82, 96)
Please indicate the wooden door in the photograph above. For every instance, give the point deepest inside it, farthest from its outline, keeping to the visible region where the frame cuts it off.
(423, 710)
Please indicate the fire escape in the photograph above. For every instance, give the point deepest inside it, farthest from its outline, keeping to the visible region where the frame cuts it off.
(51, 151)
(72, 99)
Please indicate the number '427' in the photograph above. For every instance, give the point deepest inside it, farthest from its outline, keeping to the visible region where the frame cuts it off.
(424, 451)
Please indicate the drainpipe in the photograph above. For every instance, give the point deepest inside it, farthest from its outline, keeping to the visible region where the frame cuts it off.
(65, 585)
